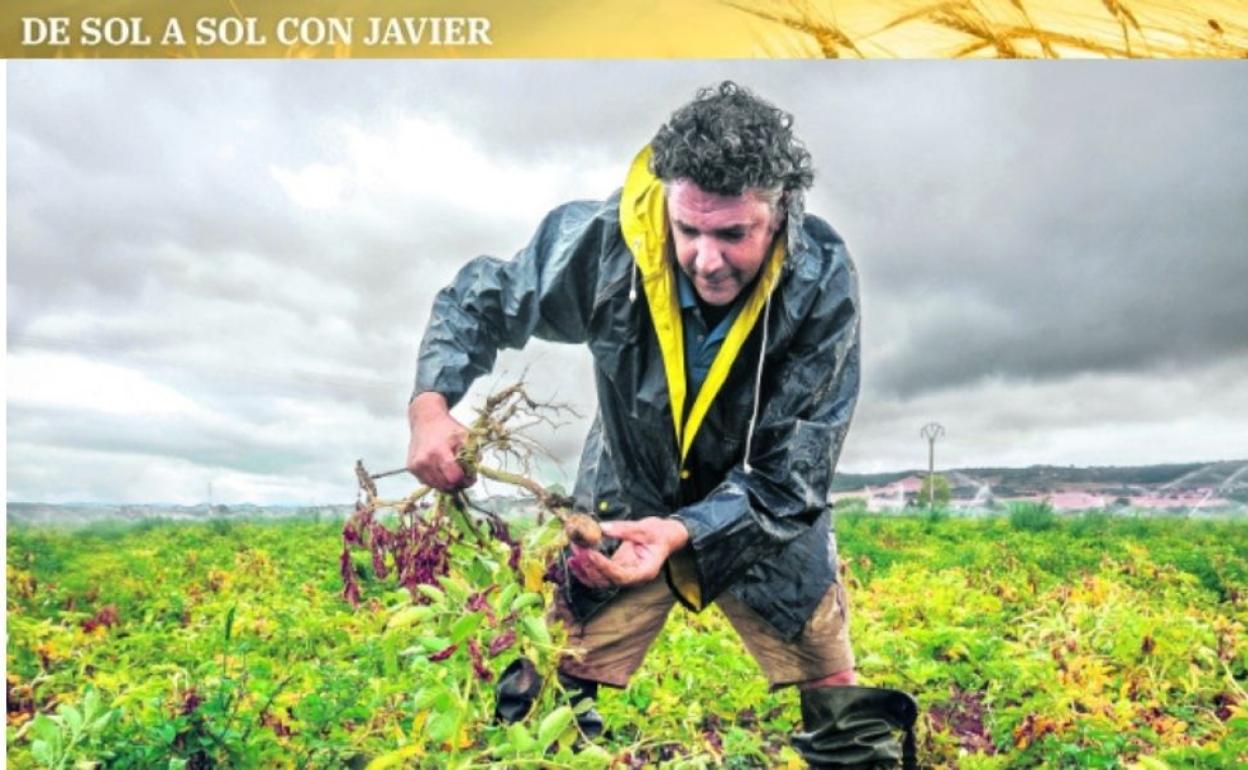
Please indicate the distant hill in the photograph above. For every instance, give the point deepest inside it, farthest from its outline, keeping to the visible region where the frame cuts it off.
(1229, 474)
(75, 514)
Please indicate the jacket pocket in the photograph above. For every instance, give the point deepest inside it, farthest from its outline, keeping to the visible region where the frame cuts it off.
(809, 461)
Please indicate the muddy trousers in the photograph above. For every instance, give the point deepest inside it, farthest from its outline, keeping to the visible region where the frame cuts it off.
(856, 727)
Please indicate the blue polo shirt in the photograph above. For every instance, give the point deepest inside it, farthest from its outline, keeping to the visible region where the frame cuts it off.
(701, 343)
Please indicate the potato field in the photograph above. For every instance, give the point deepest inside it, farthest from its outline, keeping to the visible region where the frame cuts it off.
(1030, 640)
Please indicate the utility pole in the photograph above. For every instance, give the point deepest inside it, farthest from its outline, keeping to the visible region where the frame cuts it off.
(931, 432)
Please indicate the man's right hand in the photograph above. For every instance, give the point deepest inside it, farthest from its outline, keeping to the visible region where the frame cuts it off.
(436, 439)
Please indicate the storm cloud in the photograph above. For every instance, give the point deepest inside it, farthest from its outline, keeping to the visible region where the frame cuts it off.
(218, 272)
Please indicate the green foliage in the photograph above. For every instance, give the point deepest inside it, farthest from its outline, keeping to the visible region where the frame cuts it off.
(933, 517)
(1090, 524)
(851, 506)
(1096, 641)
(70, 733)
(1032, 517)
(935, 488)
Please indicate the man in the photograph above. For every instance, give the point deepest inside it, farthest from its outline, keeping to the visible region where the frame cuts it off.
(723, 323)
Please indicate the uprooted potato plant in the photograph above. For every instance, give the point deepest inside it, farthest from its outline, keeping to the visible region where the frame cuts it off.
(478, 591)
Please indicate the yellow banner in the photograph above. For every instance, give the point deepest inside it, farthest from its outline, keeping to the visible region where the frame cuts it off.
(859, 29)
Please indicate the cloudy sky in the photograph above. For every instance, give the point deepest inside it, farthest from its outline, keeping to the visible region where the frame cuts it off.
(218, 272)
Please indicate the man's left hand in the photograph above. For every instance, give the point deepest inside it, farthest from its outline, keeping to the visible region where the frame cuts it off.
(644, 546)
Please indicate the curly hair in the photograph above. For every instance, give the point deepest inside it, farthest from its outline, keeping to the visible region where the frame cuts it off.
(728, 140)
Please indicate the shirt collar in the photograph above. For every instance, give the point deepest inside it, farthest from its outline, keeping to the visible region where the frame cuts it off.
(689, 301)
(684, 288)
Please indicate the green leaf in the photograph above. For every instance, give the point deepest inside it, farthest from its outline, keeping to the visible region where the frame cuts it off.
(427, 697)
(536, 629)
(168, 733)
(431, 592)
(501, 550)
(463, 522)
(639, 698)
(99, 724)
(395, 758)
(526, 600)
(390, 656)
(455, 588)
(72, 716)
(504, 599)
(409, 616)
(465, 626)
(45, 728)
(441, 727)
(592, 757)
(503, 749)
(548, 534)
(42, 753)
(433, 643)
(555, 723)
(229, 622)
(521, 738)
(90, 705)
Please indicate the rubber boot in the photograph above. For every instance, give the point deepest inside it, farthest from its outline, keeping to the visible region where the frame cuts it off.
(520, 685)
(855, 727)
(516, 691)
(577, 689)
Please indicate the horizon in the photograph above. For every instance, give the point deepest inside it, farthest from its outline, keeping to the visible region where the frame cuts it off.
(520, 494)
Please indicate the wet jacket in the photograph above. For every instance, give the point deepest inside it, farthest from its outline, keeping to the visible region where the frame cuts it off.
(746, 463)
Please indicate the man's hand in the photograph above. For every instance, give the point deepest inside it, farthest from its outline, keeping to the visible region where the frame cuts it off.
(436, 439)
(645, 545)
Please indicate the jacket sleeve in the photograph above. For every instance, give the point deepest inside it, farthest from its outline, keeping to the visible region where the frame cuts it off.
(546, 291)
(802, 423)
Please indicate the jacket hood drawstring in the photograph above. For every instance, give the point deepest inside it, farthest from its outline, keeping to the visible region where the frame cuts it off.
(758, 384)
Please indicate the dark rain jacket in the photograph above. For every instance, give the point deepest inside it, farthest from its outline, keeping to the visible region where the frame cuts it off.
(745, 464)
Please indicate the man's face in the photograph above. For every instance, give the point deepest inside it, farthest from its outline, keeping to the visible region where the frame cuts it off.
(720, 241)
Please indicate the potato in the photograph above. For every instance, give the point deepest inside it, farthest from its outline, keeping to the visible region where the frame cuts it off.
(582, 530)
